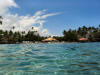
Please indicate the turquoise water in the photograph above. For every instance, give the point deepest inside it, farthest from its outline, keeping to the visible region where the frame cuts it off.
(50, 59)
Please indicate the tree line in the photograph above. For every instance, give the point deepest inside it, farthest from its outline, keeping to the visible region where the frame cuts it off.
(18, 37)
(91, 33)
(71, 35)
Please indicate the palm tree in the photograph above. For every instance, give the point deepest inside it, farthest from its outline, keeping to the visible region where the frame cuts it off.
(23, 32)
(32, 28)
(1, 20)
(13, 27)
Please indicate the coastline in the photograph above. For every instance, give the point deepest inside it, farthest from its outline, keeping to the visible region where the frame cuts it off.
(44, 42)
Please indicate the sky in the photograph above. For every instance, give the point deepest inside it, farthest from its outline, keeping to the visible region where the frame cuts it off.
(49, 17)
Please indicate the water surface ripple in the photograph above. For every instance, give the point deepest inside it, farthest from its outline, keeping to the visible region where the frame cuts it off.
(50, 59)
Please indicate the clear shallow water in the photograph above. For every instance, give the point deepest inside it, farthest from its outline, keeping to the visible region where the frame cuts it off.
(50, 59)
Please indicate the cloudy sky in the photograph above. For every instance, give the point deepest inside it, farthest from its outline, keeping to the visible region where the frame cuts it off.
(49, 17)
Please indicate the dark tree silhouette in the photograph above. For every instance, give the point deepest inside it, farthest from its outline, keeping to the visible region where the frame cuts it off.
(1, 20)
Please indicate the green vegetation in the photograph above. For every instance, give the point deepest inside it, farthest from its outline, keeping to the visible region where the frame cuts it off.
(91, 33)
(70, 35)
(18, 37)
(13, 37)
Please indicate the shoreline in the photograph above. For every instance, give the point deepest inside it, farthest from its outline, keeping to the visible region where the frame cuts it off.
(45, 42)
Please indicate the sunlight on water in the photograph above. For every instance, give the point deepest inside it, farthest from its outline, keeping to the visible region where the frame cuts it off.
(50, 59)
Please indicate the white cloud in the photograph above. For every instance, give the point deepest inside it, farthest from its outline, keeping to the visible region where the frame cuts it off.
(23, 23)
(5, 5)
(45, 32)
(47, 15)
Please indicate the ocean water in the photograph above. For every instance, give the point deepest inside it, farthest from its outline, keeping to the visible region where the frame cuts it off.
(50, 59)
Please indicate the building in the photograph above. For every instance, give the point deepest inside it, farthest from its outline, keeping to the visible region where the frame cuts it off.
(49, 40)
(83, 39)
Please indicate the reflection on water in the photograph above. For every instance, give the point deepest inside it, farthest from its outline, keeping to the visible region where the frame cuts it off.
(50, 59)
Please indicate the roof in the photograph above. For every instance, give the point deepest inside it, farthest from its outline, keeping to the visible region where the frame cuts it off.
(49, 40)
(83, 39)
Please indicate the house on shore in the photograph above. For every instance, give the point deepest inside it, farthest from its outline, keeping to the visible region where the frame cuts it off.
(49, 40)
(83, 39)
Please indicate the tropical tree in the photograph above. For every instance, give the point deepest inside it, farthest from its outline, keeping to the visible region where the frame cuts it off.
(1, 20)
